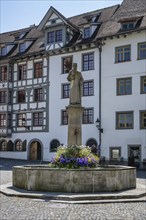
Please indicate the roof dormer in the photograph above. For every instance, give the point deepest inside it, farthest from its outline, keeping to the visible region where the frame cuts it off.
(130, 23)
(57, 29)
(6, 49)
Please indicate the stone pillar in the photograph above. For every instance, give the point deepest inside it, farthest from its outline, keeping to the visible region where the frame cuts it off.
(75, 113)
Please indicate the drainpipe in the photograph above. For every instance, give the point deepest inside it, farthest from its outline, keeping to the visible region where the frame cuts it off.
(100, 129)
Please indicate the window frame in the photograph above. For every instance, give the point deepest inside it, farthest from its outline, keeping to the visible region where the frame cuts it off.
(56, 36)
(18, 145)
(4, 145)
(88, 63)
(87, 32)
(38, 69)
(142, 119)
(3, 73)
(69, 66)
(3, 97)
(64, 117)
(65, 90)
(21, 120)
(88, 118)
(21, 96)
(3, 120)
(37, 121)
(38, 95)
(141, 50)
(22, 47)
(142, 84)
(89, 89)
(123, 54)
(124, 113)
(111, 154)
(124, 85)
(22, 72)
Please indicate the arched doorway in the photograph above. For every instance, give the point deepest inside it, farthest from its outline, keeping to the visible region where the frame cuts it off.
(35, 152)
(91, 142)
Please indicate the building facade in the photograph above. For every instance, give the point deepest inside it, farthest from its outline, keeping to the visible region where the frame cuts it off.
(109, 47)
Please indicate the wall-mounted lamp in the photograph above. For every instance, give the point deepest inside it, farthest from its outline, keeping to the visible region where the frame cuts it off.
(98, 125)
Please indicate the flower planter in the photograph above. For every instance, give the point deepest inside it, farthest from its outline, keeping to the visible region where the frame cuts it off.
(103, 178)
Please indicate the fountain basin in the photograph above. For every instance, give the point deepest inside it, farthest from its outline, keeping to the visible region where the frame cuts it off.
(101, 179)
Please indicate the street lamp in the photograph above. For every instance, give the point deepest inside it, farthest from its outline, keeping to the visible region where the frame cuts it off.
(98, 125)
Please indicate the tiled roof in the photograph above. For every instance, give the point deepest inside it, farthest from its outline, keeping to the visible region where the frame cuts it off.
(108, 19)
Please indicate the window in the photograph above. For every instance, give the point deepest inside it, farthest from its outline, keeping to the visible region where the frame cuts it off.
(38, 95)
(124, 86)
(10, 73)
(9, 97)
(66, 64)
(21, 120)
(115, 153)
(91, 142)
(3, 96)
(38, 70)
(128, 25)
(87, 32)
(38, 119)
(88, 62)
(124, 120)
(2, 120)
(3, 51)
(64, 117)
(58, 36)
(143, 119)
(88, 89)
(142, 51)
(54, 145)
(21, 72)
(3, 73)
(143, 84)
(18, 146)
(88, 116)
(123, 54)
(22, 47)
(65, 90)
(21, 96)
(9, 121)
(54, 36)
(50, 37)
(4, 146)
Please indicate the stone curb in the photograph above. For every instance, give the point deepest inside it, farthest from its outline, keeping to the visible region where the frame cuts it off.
(132, 195)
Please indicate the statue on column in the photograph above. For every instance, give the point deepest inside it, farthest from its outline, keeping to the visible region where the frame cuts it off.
(76, 83)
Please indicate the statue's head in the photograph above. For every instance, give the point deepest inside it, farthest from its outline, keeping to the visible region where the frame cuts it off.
(74, 66)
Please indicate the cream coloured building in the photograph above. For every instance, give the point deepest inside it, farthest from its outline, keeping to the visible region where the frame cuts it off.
(109, 47)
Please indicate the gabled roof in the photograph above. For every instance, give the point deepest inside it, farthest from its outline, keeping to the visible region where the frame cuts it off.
(129, 9)
(64, 20)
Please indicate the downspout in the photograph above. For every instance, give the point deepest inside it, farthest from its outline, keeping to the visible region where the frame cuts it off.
(100, 130)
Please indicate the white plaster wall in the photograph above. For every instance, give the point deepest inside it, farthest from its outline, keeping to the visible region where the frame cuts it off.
(111, 103)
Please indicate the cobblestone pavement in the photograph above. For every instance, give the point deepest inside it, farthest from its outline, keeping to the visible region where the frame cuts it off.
(14, 208)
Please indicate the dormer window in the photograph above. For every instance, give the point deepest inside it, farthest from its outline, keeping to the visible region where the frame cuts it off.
(22, 47)
(128, 25)
(54, 36)
(19, 36)
(87, 32)
(3, 51)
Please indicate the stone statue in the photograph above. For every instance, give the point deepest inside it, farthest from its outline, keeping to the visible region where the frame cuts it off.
(76, 82)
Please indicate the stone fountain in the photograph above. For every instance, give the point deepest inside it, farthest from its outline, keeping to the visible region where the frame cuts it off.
(100, 179)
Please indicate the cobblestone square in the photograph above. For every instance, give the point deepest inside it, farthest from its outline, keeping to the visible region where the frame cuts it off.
(14, 208)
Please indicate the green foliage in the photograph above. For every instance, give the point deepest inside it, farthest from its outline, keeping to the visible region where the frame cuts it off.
(74, 157)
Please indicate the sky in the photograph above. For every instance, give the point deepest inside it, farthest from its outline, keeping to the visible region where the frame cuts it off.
(18, 14)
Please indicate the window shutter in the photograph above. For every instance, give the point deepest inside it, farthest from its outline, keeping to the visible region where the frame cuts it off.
(24, 145)
(10, 146)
